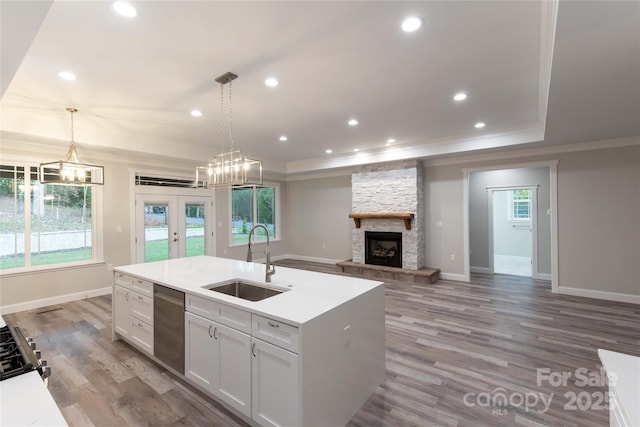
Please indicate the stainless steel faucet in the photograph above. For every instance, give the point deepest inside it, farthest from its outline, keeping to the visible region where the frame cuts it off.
(268, 271)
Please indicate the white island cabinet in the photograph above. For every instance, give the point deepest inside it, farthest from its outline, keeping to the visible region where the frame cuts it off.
(309, 356)
(133, 310)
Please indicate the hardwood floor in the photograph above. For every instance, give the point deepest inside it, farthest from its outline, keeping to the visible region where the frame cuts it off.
(453, 351)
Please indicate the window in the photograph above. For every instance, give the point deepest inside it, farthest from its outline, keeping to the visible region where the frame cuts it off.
(43, 224)
(250, 206)
(520, 205)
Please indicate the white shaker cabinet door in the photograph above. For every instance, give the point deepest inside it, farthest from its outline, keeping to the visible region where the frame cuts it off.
(275, 391)
(122, 304)
(200, 351)
(233, 376)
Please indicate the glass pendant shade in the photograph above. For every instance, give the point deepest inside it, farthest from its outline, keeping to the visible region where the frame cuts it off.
(230, 169)
(71, 170)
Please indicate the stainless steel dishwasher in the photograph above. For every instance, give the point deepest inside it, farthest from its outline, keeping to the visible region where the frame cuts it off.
(168, 326)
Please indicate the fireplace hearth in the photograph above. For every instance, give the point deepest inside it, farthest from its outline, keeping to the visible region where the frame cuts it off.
(383, 248)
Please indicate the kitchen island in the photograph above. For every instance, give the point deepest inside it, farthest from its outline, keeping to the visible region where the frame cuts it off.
(308, 356)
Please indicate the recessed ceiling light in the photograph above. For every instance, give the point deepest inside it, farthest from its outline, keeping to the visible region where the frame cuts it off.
(283, 138)
(196, 113)
(460, 96)
(355, 150)
(67, 75)
(479, 125)
(328, 151)
(271, 82)
(352, 122)
(390, 141)
(125, 9)
(412, 23)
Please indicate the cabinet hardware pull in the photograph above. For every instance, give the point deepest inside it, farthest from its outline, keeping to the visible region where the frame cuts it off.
(214, 333)
(140, 324)
(210, 336)
(126, 296)
(253, 349)
(139, 297)
(273, 325)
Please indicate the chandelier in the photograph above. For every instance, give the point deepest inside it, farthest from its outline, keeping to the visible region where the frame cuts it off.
(229, 168)
(71, 170)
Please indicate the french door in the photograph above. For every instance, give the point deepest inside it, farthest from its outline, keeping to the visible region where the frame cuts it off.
(172, 226)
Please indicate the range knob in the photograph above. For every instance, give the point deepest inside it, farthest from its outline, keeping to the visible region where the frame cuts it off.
(38, 354)
(29, 339)
(46, 371)
(44, 363)
(32, 344)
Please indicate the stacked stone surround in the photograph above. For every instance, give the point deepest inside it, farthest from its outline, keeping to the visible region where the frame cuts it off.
(390, 188)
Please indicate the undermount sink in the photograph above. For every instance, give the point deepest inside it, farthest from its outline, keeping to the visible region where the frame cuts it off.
(244, 290)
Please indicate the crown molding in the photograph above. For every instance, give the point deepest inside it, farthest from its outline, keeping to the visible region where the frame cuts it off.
(548, 150)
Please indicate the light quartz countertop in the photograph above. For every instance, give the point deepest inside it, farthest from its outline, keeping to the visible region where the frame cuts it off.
(309, 294)
(625, 370)
(26, 401)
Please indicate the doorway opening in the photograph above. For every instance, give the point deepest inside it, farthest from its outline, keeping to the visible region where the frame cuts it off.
(512, 221)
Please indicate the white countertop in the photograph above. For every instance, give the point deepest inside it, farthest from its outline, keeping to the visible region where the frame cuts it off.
(310, 293)
(626, 369)
(25, 400)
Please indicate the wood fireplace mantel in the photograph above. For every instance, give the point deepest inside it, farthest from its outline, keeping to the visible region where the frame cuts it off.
(407, 217)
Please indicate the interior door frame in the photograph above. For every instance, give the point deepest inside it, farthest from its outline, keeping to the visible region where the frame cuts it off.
(136, 190)
(534, 224)
(553, 212)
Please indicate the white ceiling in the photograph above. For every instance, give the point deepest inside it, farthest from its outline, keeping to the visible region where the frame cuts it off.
(532, 79)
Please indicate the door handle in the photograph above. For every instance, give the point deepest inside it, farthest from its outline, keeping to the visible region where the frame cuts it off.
(253, 349)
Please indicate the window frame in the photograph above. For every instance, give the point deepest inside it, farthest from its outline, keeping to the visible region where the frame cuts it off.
(97, 233)
(278, 212)
(512, 204)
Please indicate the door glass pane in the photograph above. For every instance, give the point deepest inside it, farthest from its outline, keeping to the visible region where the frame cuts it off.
(194, 228)
(156, 232)
(242, 214)
(11, 216)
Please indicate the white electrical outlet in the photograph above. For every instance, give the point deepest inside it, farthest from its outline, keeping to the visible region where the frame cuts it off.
(109, 266)
(438, 223)
(452, 257)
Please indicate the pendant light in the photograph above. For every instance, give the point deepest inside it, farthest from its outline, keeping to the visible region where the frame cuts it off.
(230, 168)
(71, 170)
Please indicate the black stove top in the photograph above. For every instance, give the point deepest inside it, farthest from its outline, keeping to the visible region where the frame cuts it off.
(18, 354)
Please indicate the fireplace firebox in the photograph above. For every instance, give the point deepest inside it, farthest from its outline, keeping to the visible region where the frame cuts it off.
(383, 248)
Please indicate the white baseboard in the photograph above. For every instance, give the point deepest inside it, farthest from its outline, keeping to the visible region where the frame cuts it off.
(454, 277)
(59, 299)
(483, 270)
(611, 296)
(543, 276)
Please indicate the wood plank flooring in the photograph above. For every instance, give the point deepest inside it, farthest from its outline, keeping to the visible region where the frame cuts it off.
(455, 353)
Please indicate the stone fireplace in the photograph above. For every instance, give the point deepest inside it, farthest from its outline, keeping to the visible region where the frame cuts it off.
(390, 199)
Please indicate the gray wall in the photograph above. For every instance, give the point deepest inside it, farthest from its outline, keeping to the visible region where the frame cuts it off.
(478, 211)
(318, 224)
(598, 224)
(598, 221)
(510, 238)
(21, 288)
